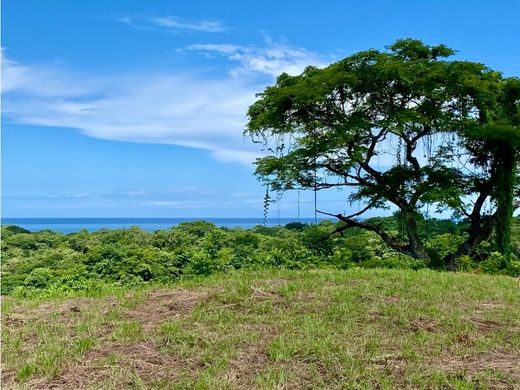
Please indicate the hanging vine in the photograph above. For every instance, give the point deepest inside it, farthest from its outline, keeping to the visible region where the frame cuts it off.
(267, 202)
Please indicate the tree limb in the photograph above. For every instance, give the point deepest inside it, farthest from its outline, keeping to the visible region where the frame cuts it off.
(393, 242)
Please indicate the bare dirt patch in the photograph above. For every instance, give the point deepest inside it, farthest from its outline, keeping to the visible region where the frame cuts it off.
(485, 325)
(142, 358)
(247, 363)
(23, 314)
(393, 300)
(423, 323)
(162, 306)
(507, 363)
(489, 305)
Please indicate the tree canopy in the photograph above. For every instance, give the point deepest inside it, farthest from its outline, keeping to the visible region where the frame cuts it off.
(403, 128)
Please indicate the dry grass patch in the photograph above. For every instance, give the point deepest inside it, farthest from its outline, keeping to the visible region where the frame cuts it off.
(502, 369)
(160, 306)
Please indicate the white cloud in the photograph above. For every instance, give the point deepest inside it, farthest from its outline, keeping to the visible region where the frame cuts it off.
(161, 108)
(272, 59)
(175, 23)
(172, 23)
(42, 81)
(178, 109)
(222, 48)
(179, 193)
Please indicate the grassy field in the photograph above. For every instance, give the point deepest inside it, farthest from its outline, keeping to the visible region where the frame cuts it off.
(354, 329)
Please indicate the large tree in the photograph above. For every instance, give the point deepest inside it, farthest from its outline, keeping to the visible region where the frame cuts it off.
(403, 128)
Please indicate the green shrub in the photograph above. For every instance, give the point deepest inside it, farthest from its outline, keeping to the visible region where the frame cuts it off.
(39, 278)
(513, 268)
(465, 263)
(494, 264)
(201, 263)
(440, 246)
(25, 241)
(395, 261)
(342, 258)
(362, 247)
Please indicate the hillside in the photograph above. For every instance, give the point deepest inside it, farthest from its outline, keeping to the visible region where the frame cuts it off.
(330, 329)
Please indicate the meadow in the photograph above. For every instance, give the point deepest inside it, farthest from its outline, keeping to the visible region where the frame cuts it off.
(272, 329)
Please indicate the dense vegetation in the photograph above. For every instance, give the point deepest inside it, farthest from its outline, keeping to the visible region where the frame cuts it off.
(47, 262)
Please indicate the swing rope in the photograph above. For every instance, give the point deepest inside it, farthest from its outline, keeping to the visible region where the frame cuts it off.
(298, 204)
(315, 177)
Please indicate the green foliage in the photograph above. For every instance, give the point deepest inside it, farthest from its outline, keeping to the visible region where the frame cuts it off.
(465, 263)
(493, 264)
(441, 245)
(23, 241)
(513, 268)
(51, 263)
(498, 264)
(395, 261)
(39, 278)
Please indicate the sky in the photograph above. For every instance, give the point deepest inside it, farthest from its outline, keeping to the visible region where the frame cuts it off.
(137, 108)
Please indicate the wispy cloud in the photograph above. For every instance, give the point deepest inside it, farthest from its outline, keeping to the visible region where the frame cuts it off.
(42, 81)
(175, 23)
(161, 108)
(178, 193)
(271, 59)
(188, 109)
(172, 23)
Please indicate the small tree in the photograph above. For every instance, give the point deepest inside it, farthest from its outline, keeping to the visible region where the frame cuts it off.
(403, 128)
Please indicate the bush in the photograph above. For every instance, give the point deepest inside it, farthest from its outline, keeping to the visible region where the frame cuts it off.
(396, 261)
(39, 278)
(25, 241)
(513, 268)
(362, 247)
(342, 258)
(439, 247)
(494, 264)
(465, 263)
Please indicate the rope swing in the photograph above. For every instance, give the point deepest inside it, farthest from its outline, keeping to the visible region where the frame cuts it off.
(268, 199)
(315, 189)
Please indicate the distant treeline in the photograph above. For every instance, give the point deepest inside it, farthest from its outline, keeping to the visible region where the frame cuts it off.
(36, 263)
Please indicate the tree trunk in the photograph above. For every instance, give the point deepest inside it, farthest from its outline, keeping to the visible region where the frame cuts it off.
(504, 193)
(415, 243)
(480, 230)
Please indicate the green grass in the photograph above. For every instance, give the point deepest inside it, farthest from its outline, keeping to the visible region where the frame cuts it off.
(354, 329)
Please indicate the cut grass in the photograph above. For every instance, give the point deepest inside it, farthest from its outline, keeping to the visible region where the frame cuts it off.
(359, 329)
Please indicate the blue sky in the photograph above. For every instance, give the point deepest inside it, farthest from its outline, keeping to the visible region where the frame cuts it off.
(136, 108)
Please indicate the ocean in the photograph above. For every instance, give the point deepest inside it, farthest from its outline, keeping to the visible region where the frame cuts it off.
(70, 225)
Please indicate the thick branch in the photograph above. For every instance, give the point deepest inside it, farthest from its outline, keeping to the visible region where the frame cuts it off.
(410, 148)
(391, 241)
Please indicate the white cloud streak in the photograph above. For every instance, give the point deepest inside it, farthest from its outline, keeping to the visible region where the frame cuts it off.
(177, 109)
(175, 23)
(172, 23)
(272, 59)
